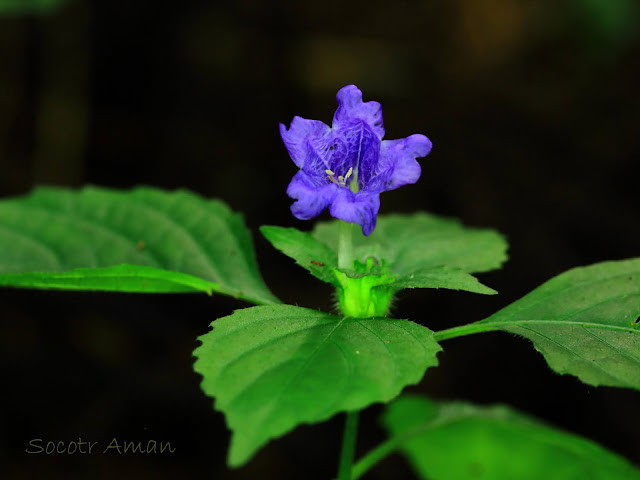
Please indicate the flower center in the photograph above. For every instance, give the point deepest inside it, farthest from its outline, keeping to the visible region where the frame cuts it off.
(341, 181)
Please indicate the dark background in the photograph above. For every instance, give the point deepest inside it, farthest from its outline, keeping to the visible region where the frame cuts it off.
(533, 110)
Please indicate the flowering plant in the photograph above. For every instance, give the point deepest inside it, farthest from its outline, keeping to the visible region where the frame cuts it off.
(272, 367)
(347, 166)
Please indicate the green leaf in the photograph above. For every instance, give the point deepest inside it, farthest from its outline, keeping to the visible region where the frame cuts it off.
(443, 277)
(142, 240)
(308, 252)
(272, 368)
(417, 251)
(584, 322)
(460, 441)
(413, 243)
(30, 6)
(321, 261)
(120, 278)
(422, 251)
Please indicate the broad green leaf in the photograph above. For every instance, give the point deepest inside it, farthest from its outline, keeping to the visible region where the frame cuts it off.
(461, 441)
(30, 6)
(272, 368)
(584, 322)
(142, 240)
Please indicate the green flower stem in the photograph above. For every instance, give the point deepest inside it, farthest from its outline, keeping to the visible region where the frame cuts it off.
(391, 445)
(345, 260)
(345, 246)
(383, 450)
(348, 446)
(374, 456)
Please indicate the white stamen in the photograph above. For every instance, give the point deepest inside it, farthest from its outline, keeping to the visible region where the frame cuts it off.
(346, 177)
(341, 181)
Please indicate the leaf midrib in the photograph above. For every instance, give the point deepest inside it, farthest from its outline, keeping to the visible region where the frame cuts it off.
(502, 324)
(542, 297)
(276, 397)
(590, 364)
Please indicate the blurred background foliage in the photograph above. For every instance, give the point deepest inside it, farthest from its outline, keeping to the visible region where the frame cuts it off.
(533, 110)
(20, 7)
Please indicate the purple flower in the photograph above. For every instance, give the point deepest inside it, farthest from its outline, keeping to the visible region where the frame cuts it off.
(346, 166)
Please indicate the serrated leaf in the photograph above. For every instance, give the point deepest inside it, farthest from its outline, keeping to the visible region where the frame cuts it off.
(442, 277)
(272, 368)
(410, 251)
(308, 252)
(321, 261)
(411, 243)
(461, 441)
(584, 322)
(142, 240)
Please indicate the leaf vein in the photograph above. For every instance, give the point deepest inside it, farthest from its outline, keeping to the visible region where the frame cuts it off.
(595, 365)
(622, 352)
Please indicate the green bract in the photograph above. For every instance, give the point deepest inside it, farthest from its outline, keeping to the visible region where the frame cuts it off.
(411, 244)
(404, 251)
(364, 296)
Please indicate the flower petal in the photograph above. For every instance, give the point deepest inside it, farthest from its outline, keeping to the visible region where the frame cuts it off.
(397, 165)
(299, 134)
(329, 152)
(361, 208)
(352, 109)
(311, 198)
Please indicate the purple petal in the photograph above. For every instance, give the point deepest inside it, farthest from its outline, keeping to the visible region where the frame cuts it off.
(351, 109)
(297, 137)
(327, 152)
(398, 165)
(361, 208)
(311, 198)
(355, 147)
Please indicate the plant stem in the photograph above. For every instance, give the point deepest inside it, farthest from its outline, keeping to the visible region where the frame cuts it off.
(348, 446)
(391, 445)
(373, 457)
(345, 246)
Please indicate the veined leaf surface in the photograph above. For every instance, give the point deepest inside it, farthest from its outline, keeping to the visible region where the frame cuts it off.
(584, 321)
(272, 368)
(141, 240)
(411, 251)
